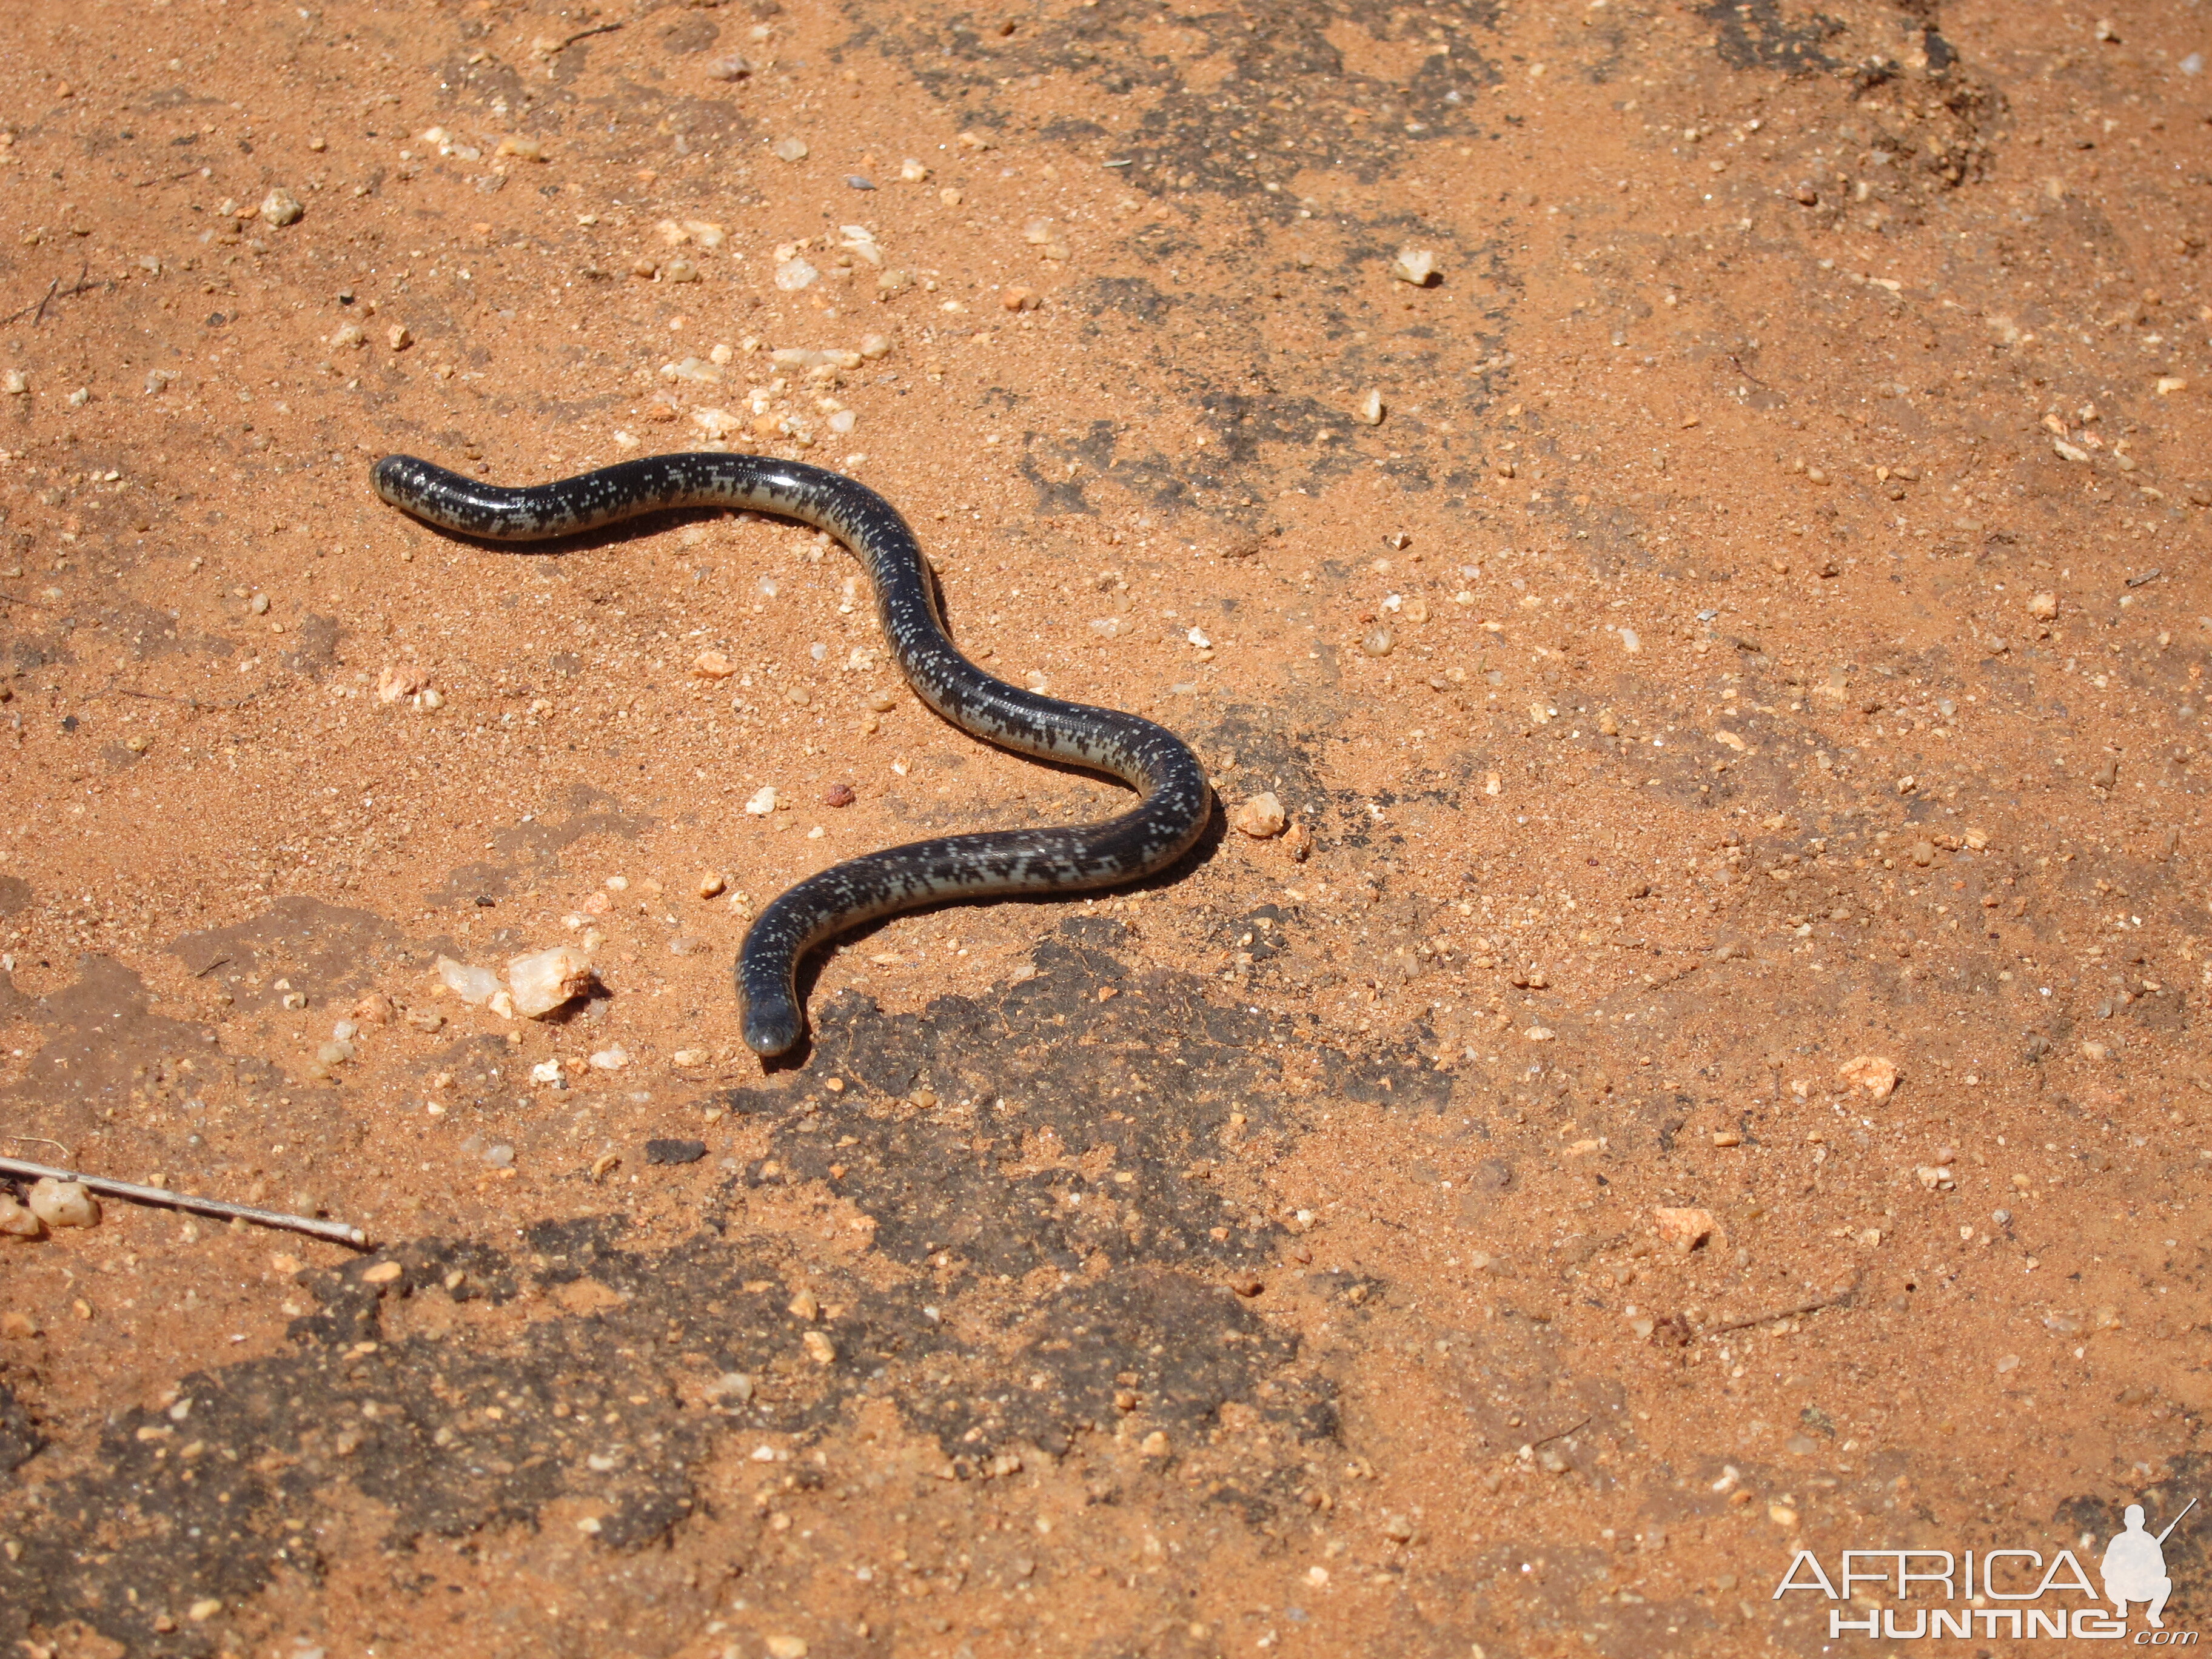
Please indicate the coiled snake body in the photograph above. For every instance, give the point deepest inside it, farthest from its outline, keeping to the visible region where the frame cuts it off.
(1176, 798)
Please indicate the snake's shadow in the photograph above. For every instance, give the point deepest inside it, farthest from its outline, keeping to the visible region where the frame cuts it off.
(812, 967)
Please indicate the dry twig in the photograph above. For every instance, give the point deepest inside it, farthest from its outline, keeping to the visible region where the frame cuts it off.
(339, 1232)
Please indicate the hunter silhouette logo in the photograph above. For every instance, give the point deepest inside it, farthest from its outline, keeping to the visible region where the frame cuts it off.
(2134, 1565)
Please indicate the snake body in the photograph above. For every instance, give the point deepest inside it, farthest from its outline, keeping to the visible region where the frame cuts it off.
(1175, 797)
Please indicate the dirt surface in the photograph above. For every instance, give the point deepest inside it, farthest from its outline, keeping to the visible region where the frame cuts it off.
(1741, 613)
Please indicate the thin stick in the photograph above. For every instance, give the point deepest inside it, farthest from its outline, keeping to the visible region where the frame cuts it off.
(339, 1232)
(1836, 1300)
(1561, 1435)
(585, 35)
(37, 312)
(37, 305)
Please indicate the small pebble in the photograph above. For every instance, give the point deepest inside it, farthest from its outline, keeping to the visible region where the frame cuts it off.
(542, 980)
(500, 1156)
(611, 1059)
(1417, 265)
(674, 1151)
(712, 665)
(789, 149)
(913, 172)
(281, 207)
(18, 1220)
(854, 181)
(839, 794)
(1371, 409)
(2043, 606)
(1684, 1228)
(1261, 817)
(1154, 1444)
(728, 67)
(795, 274)
(1018, 299)
(786, 1647)
(763, 801)
(1871, 1072)
(1378, 643)
(688, 1057)
(819, 1348)
(713, 884)
(16, 383)
(63, 1203)
(799, 694)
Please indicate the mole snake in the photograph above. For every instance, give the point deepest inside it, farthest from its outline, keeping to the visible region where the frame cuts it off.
(1175, 799)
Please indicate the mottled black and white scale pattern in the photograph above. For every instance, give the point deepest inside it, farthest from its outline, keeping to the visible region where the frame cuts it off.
(1175, 799)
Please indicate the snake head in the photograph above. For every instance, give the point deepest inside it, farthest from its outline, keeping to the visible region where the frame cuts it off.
(773, 1025)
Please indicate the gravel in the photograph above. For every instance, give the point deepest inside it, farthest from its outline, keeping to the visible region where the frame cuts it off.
(1261, 817)
(63, 1203)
